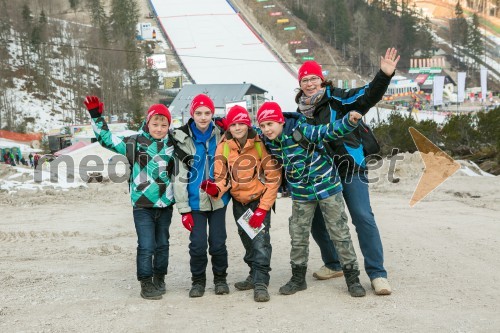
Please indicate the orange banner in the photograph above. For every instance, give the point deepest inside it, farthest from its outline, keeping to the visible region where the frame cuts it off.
(20, 136)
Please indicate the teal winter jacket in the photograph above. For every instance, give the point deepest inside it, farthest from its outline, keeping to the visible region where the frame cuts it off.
(150, 182)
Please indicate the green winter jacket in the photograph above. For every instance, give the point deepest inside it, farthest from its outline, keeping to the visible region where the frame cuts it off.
(150, 182)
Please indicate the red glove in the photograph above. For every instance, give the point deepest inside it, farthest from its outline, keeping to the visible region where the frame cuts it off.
(187, 221)
(222, 123)
(257, 218)
(94, 106)
(210, 188)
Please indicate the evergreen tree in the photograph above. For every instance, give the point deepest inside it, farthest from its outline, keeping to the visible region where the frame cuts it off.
(425, 39)
(475, 40)
(26, 14)
(73, 4)
(124, 18)
(393, 5)
(99, 19)
(343, 31)
(458, 27)
(5, 23)
(408, 37)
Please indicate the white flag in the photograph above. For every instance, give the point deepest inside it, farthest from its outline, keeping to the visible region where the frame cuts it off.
(437, 90)
(340, 84)
(484, 84)
(353, 84)
(461, 86)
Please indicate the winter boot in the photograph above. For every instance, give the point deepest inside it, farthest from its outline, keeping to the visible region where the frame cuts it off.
(159, 282)
(198, 285)
(297, 282)
(352, 279)
(260, 293)
(148, 289)
(246, 284)
(221, 287)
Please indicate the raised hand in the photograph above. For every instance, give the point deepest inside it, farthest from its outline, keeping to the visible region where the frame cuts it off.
(94, 106)
(389, 62)
(354, 117)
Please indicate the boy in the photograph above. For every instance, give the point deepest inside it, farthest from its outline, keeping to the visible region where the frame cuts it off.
(195, 144)
(242, 161)
(313, 181)
(150, 189)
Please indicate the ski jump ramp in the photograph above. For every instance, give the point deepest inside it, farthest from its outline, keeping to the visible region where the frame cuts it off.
(215, 45)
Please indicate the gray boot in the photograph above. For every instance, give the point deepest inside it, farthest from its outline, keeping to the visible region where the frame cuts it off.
(159, 282)
(352, 279)
(297, 282)
(198, 285)
(148, 289)
(260, 293)
(221, 287)
(246, 284)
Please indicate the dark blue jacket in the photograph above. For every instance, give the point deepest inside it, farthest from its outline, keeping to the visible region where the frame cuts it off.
(348, 151)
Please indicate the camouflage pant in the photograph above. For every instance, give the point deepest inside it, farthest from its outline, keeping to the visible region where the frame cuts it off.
(336, 224)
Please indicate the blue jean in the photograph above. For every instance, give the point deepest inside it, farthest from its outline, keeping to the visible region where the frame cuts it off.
(152, 228)
(257, 250)
(357, 199)
(214, 241)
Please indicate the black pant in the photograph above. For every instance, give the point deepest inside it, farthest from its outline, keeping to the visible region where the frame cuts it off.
(258, 250)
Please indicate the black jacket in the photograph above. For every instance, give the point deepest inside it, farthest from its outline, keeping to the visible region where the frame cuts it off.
(348, 151)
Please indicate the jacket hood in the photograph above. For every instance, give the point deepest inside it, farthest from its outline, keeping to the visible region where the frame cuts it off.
(292, 120)
(183, 132)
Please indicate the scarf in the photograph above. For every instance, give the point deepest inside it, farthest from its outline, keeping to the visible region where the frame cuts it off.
(307, 105)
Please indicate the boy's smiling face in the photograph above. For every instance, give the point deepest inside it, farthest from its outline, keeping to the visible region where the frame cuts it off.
(202, 117)
(158, 126)
(271, 129)
(238, 130)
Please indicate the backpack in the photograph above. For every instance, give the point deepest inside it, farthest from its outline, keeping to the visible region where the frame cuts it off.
(363, 132)
(256, 145)
(365, 135)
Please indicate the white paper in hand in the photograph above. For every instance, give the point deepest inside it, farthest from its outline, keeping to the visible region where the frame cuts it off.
(243, 222)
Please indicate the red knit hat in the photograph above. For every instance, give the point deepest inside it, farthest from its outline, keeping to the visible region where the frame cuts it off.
(310, 68)
(270, 111)
(238, 115)
(201, 100)
(159, 109)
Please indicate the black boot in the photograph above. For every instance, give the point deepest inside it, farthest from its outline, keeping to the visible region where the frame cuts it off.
(148, 289)
(352, 279)
(297, 282)
(198, 285)
(159, 282)
(246, 284)
(221, 287)
(260, 293)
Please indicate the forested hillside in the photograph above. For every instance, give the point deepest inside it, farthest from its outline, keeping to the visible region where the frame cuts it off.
(58, 51)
